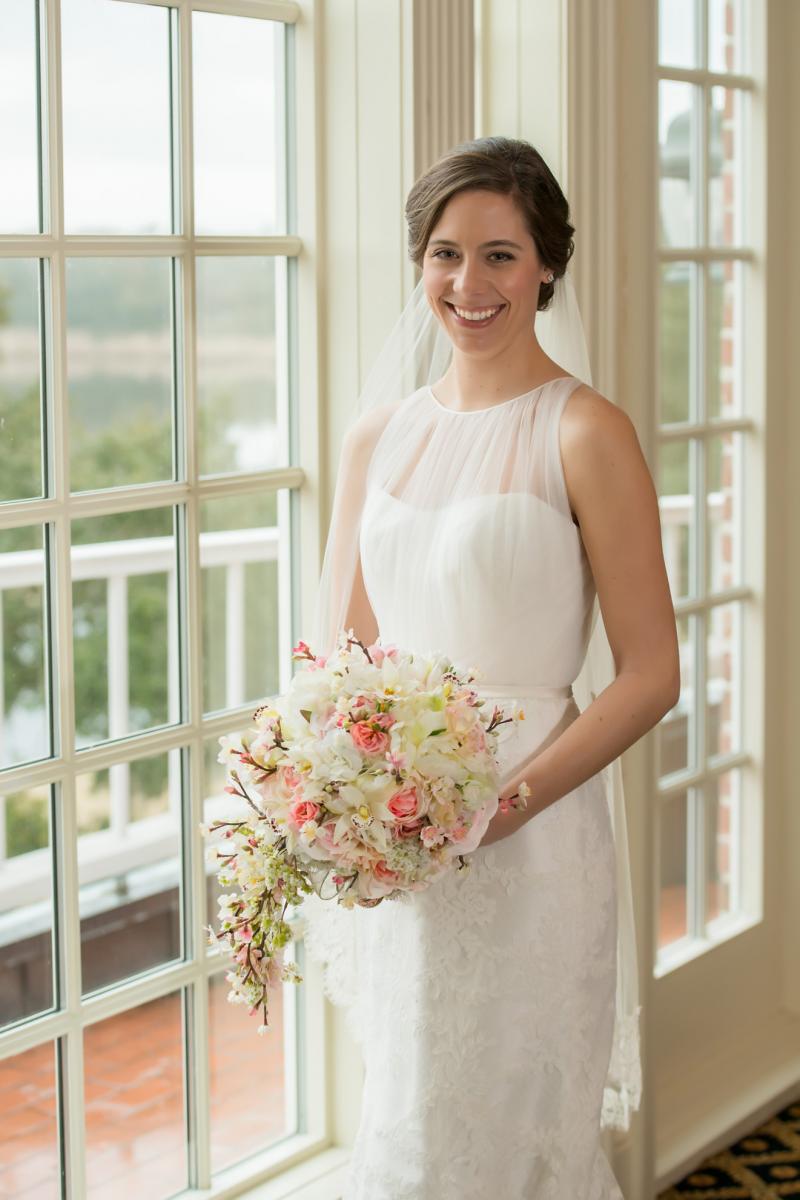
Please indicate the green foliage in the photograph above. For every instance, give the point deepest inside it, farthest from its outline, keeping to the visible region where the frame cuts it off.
(27, 823)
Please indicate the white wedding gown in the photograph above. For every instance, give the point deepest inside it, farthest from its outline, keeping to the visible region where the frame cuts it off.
(484, 1006)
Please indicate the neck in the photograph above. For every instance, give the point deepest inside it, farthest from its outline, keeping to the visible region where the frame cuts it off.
(470, 382)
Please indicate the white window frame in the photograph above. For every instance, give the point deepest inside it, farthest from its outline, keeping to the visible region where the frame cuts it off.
(300, 1156)
(747, 888)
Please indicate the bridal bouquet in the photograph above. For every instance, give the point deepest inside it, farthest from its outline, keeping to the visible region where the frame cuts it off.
(373, 774)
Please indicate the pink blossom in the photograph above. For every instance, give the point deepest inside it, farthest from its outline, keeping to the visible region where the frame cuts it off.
(431, 836)
(291, 777)
(245, 934)
(371, 741)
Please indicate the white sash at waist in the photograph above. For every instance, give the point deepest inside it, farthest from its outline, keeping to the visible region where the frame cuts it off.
(529, 691)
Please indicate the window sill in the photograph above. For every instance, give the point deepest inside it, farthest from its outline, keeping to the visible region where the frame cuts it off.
(686, 950)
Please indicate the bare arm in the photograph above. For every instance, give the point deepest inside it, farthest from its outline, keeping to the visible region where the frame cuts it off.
(613, 497)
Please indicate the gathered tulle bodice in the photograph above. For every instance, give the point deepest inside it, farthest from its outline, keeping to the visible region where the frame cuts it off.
(479, 555)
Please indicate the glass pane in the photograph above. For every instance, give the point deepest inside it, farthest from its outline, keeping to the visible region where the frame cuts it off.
(239, 124)
(26, 906)
(722, 844)
(24, 699)
(678, 127)
(241, 542)
(19, 195)
(135, 1138)
(20, 379)
(677, 33)
(119, 371)
(726, 167)
(29, 1130)
(723, 673)
(726, 338)
(672, 909)
(241, 375)
(125, 623)
(248, 1108)
(726, 43)
(678, 318)
(675, 730)
(129, 866)
(677, 514)
(116, 90)
(724, 477)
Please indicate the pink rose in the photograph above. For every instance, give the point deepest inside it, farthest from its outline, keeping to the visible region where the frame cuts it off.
(302, 811)
(410, 830)
(371, 741)
(404, 804)
(382, 872)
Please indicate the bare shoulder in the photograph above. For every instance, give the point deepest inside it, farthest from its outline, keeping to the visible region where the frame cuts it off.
(599, 446)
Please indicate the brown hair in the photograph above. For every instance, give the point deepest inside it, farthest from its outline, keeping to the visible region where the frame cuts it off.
(511, 167)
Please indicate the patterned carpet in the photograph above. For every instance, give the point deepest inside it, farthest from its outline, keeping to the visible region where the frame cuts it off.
(764, 1165)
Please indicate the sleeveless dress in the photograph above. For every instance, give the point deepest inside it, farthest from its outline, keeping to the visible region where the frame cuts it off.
(484, 1006)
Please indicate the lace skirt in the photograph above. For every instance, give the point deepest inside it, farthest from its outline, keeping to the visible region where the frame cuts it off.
(484, 1009)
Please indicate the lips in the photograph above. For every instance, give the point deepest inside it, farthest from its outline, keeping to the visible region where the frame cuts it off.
(465, 323)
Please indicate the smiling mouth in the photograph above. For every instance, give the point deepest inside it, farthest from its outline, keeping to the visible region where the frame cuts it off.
(471, 322)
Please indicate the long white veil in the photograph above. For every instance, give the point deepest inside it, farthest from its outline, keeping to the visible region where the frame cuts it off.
(415, 355)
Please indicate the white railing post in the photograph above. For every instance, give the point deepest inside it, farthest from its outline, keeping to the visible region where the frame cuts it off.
(118, 696)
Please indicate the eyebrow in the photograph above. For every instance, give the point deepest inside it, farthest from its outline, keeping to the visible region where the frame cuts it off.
(484, 246)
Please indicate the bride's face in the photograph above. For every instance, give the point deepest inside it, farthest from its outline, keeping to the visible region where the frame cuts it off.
(480, 256)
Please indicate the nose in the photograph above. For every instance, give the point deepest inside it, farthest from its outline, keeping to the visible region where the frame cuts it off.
(468, 279)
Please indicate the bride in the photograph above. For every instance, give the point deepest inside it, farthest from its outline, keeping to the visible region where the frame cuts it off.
(491, 504)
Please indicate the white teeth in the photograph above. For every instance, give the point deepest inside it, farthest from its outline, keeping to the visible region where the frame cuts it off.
(477, 316)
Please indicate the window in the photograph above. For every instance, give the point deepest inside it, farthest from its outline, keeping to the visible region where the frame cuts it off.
(149, 491)
(706, 402)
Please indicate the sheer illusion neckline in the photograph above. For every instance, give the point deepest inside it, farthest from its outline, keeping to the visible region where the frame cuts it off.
(472, 412)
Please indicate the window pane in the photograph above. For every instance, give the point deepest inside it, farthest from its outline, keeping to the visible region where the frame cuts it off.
(678, 126)
(726, 167)
(724, 477)
(116, 90)
(722, 843)
(241, 376)
(676, 730)
(672, 912)
(723, 672)
(726, 44)
(248, 1107)
(20, 379)
(129, 866)
(241, 543)
(19, 195)
(29, 1129)
(119, 371)
(677, 38)
(678, 309)
(125, 624)
(24, 699)
(677, 507)
(135, 1139)
(26, 906)
(239, 124)
(726, 338)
